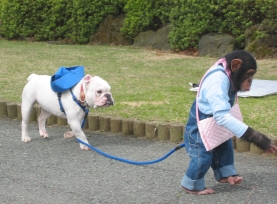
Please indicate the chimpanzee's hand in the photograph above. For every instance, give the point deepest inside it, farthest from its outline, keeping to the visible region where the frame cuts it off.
(259, 139)
(272, 149)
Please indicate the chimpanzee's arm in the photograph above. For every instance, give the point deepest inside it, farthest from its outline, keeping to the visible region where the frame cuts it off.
(257, 138)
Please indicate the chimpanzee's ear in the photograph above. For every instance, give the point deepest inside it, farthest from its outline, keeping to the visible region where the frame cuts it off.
(235, 64)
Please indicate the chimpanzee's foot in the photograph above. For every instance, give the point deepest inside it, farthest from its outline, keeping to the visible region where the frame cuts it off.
(206, 191)
(232, 180)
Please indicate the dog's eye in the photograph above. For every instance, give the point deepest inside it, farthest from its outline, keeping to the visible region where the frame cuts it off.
(99, 92)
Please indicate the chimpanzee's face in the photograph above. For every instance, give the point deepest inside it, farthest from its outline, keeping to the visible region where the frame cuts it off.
(242, 75)
(247, 80)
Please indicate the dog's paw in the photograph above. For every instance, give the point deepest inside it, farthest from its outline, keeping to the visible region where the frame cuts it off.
(43, 134)
(26, 139)
(84, 147)
(68, 134)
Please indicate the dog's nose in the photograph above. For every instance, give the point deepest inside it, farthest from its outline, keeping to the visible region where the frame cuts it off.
(109, 99)
(108, 96)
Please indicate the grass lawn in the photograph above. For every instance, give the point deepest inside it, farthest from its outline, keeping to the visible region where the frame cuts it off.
(146, 84)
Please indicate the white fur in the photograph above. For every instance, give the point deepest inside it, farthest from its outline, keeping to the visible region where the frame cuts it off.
(38, 89)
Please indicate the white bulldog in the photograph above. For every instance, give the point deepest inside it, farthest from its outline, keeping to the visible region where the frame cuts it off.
(90, 91)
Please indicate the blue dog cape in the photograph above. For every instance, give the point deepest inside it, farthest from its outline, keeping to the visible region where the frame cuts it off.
(66, 77)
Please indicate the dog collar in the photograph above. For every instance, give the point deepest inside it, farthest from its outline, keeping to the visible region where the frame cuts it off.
(82, 100)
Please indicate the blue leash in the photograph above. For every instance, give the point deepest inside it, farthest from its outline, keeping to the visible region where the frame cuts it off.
(86, 110)
(130, 161)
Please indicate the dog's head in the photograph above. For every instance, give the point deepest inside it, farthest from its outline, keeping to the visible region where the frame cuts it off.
(98, 92)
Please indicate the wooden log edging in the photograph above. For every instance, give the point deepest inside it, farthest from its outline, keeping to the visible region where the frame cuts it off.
(129, 127)
(12, 110)
(139, 128)
(104, 123)
(151, 130)
(3, 108)
(93, 122)
(164, 131)
(116, 124)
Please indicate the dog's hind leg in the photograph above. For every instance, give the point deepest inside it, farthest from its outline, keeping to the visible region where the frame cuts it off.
(25, 112)
(41, 123)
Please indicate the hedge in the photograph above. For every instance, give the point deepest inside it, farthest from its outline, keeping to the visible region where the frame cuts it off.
(73, 20)
(77, 20)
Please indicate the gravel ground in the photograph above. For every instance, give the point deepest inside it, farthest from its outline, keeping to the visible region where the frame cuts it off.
(56, 170)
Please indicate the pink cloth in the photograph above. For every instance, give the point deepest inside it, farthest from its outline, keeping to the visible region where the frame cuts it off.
(212, 134)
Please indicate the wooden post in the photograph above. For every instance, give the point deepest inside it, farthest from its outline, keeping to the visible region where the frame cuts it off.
(163, 131)
(104, 123)
(176, 132)
(116, 124)
(93, 122)
(139, 128)
(3, 108)
(151, 129)
(127, 127)
(242, 145)
(12, 110)
(51, 120)
(19, 115)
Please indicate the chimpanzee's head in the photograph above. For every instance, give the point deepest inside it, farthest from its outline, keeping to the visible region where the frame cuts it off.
(242, 66)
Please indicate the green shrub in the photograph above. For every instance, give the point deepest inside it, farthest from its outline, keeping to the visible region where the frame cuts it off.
(191, 19)
(142, 15)
(268, 29)
(55, 25)
(87, 15)
(42, 20)
(9, 22)
(240, 15)
(74, 20)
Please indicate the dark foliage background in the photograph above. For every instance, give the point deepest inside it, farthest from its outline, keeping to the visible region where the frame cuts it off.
(77, 20)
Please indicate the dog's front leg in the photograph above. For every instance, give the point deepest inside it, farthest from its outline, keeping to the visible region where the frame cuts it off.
(77, 130)
(82, 137)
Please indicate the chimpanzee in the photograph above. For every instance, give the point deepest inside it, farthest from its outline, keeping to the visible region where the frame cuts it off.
(230, 74)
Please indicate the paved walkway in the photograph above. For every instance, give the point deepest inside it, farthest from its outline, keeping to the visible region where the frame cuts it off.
(56, 170)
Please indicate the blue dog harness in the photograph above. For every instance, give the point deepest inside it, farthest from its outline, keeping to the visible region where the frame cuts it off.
(84, 108)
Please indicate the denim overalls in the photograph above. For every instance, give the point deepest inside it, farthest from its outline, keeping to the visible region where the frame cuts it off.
(221, 159)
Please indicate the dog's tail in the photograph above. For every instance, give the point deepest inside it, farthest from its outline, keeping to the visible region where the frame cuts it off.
(32, 76)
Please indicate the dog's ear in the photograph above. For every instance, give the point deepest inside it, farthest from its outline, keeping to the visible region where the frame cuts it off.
(87, 79)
